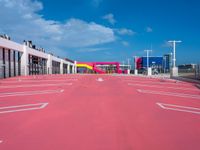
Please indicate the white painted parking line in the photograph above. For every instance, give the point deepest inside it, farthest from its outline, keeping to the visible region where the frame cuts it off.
(27, 107)
(169, 94)
(165, 87)
(25, 93)
(26, 81)
(34, 85)
(156, 82)
(179, 108)
(39, 80)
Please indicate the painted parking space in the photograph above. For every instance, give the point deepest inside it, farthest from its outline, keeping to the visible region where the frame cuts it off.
(159, 83)
(37, 81)
(164, 87)
(98, 109)
(25, 93)
(191, 96)
(179, 108)
(22, 108)
(33, 85)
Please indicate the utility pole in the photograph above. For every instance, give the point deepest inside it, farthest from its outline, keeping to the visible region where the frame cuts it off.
(149, 71)
(174, 71)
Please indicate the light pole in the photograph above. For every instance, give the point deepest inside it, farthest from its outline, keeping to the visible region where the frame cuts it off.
(128, 62)
(148, 57)
(123, 66)
(174, 71)
(128, 71)
(149, 72)
(174, 51)
(171, 60)
(164, 64)
(135, 64)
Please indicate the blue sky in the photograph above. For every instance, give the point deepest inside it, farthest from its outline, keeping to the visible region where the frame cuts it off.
(105, 30)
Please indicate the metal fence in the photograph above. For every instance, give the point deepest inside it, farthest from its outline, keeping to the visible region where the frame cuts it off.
(192, 73)
(187, 73)
(197, 72)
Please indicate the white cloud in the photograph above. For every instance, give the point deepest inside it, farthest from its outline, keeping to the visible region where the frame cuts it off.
(167, 44)
(125, 31)
(20, 19)
(125, 43)
(86, 34)
(149, 29)
(110, 18)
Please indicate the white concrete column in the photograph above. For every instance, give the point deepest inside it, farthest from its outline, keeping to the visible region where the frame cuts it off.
(149, 71)
(61, 67)
(49, 64)
(75, 67)
(174, 72)
(136, 72)
(68, 68)
(24, 61)
(1, 63)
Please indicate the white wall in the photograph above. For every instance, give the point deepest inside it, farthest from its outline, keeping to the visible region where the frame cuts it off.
(10, 45)
(37, 53)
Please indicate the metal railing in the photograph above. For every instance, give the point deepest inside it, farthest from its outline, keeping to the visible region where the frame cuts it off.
(197, 72)
(192, 73)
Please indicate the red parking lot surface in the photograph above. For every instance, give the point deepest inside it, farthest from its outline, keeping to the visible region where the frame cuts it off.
(98, 112)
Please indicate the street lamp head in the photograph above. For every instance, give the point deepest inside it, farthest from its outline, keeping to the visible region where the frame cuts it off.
(148, 50)
(175, 41)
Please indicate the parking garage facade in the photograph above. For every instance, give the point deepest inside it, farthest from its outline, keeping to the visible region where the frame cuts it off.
(25, 59)
(10, 63)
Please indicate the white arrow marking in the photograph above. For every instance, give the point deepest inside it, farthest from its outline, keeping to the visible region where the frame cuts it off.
(100, 80)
